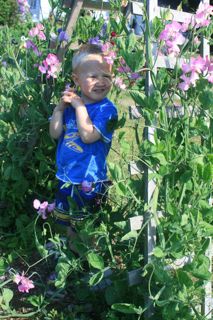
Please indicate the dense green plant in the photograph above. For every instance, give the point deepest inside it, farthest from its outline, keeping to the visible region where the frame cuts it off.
(180, 160)
(9, 12)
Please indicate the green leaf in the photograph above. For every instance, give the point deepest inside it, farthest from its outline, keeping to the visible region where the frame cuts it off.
(120, 224)
(207, 173)
(96, 278)
(208, 228)
(161, 158)
(127, 308)
(130, 235)
(206, 99)
(158, 252)
(62, 270)
(184, 219)
(95, 260)
(2, 267)
(36, 301)
(7, 296)
(137, 96)
(121, 189)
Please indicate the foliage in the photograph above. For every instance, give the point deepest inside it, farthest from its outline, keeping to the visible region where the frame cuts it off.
(95, 284)
(9, 11)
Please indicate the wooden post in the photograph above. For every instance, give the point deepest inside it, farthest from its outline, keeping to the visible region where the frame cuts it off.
(150, 234)
(75, 11)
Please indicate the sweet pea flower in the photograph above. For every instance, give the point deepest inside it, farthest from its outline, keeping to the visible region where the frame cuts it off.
(63, 36)
(23, 7)
(95, 40)
(43, 208)
(50, 66)
(110, 57)
(203, 15)
(30, 44)
(24, 283)
(38, 31)
(119, 83)
(86, 186)
(192, 71)
(172, 37)
(109, 54)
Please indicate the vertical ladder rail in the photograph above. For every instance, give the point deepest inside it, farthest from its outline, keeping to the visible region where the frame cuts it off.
(75, 11)
(150, 185)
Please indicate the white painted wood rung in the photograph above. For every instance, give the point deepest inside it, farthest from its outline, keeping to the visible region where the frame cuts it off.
(168, 62)
(134, 112)
(179, 16)
(179, 263)
(136, 223)
(137, 8)
(135, 168)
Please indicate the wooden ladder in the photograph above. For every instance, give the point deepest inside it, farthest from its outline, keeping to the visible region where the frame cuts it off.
(75, 8)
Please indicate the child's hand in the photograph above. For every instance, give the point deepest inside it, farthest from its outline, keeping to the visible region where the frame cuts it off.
(70, 96)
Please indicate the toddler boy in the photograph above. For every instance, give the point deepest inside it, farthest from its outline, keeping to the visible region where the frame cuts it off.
(83, 125)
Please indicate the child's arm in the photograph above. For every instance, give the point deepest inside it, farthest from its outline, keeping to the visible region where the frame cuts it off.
(86, 129)
(56, 122)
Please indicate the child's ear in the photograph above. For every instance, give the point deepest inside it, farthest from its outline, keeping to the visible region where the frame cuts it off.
(75, 79)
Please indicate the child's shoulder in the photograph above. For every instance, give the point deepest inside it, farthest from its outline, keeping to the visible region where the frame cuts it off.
(106, 102)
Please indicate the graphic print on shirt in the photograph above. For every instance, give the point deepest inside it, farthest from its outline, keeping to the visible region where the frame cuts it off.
(69, 139)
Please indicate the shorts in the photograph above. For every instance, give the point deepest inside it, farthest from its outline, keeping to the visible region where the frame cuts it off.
(72, 204)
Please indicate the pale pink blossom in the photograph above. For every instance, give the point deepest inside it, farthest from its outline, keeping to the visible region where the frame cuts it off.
(50, 66)
(110, 57)
(37, 31)
(203, 15)
(192, 71)
(119, 83)
(24, 283)
(173, 37)
(43, 208)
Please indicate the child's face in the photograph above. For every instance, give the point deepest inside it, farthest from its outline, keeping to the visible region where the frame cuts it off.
(94, 77)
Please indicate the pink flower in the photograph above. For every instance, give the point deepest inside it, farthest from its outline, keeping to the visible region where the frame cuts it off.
(119, 83)
(202, 16)
(37, 31)
(25, 284)
(172, 37)
(50, 66)
(193, 69)
(86, 186)
(110, 57)
(43, 208)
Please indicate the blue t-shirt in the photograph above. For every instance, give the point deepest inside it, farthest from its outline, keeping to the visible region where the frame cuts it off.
(77, 161)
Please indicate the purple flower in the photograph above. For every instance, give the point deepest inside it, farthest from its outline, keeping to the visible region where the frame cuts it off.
(86, 186)
(63, 36)
(43, 208)
(103, 29)
(4, 64)
(95, 40)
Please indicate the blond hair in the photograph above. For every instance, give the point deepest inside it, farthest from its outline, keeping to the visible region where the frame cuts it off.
(83, 51)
